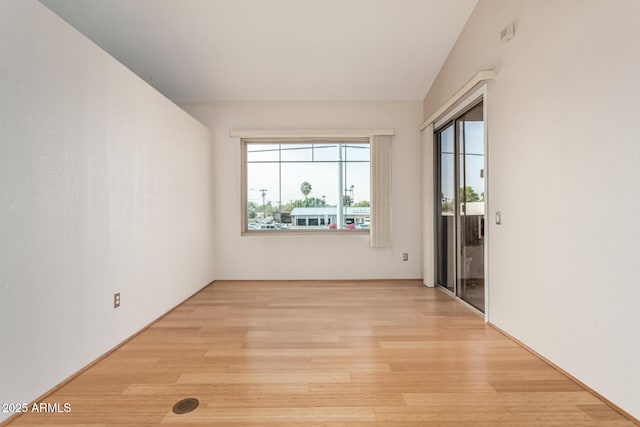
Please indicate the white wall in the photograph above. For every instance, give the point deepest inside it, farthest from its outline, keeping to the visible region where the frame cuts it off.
(104, 186)
(564, 133)
(315, 257)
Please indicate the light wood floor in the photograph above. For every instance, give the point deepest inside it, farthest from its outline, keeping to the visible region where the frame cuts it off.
(325, 354)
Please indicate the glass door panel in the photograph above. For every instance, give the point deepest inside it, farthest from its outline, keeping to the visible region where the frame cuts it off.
(470, 271)
(445, 229)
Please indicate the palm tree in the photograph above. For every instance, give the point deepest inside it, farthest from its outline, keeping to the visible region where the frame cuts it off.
(305, 187)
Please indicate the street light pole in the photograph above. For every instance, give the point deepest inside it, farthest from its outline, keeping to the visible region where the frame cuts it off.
(264, 206)
(280, 211)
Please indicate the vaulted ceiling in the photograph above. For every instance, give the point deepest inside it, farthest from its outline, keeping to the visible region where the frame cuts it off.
(210, 50)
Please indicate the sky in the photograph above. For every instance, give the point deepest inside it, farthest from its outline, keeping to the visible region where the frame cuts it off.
(300, 163)
(474, 147)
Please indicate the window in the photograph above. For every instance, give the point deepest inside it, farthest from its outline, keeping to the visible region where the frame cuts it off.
(316, 185)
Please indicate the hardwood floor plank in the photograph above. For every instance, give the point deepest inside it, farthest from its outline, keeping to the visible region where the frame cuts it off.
(277, 352)
(505, 399)
(279, 414)
(265, 378)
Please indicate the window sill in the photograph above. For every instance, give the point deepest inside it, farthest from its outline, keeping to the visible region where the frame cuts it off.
(305, 233)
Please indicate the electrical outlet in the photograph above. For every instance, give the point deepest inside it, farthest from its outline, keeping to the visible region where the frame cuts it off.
(405, 256)
(116, 300)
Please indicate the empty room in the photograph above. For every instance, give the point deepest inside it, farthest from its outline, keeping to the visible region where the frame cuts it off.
(279, 213)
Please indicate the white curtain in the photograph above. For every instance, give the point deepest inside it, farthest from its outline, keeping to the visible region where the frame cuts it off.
(380, 233)
(428, 224)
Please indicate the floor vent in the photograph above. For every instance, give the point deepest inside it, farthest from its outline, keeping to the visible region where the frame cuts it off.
(185, 405)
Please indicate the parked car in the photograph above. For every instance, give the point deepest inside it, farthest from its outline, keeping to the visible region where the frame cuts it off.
(270, 226)
(346, 227)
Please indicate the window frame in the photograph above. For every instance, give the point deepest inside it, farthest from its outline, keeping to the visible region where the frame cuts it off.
(254, 139)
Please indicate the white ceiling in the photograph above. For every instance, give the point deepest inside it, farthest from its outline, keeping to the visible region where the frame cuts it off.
(209, 50)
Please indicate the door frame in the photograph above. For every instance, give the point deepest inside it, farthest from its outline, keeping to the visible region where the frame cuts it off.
(478, 94)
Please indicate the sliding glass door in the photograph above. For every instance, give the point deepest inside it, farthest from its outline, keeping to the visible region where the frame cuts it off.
(460, 215)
